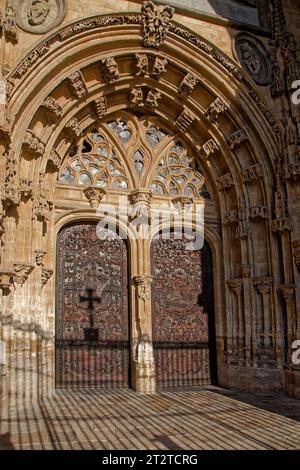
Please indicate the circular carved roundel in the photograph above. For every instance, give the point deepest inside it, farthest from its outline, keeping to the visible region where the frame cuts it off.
(254, 58)
(40, 16)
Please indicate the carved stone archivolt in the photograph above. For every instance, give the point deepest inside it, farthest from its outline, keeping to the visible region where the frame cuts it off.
(254, 58)
(156, 23)
(50, 104)
(209, 148)
(252, 173)
(187, 85)
(55, 159)
(73, 128)
(77, 84)
(40, 16)
(110, 70)
(184, 120)
(34, 143)
(140, 98)
(101, 107)
(237, 138)
(216, 108)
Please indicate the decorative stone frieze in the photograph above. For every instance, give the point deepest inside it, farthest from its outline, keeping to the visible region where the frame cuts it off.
(94, 195)
(216, 108)
(237, 138)
(110, 70)
(187, 85)
(156, 23)
(101, 107)
(77, 84)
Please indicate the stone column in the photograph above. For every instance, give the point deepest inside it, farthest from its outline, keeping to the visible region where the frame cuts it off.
(288, 294)
(238, 329)
(144, 364)
(264, 286)
(250, 319)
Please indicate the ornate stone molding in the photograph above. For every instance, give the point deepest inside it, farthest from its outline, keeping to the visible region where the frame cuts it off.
(101, 107)
(43, 206)
(9, 25)
(143, 196)
(184, 120)
(137, 96)
(159, 67)
(77, 84)
(94, 195)
(22, 271)
(39, 257)
(296, 246)
(260, 103)
(110, 70)
(156, 23)
(40, 16)
(187, 85)
(34, 143)
(252, 173)
(46, 275)
(209, 148)
(225, 182)
(142, 64)
(216, 108)
(52, 105)
(55, 159)
(237, 138)
(73, 128)
(153, 98)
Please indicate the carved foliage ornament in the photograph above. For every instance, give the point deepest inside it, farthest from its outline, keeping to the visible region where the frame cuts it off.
(254, 58)
(156, 23)
(40, 16)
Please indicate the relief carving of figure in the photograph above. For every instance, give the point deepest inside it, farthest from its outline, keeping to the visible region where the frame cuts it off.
(38, 12)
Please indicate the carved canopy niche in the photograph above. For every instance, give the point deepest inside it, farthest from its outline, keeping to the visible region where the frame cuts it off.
(126, 153)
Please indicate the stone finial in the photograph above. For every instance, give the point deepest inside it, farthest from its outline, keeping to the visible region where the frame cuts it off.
(156, 23)
(94, 195)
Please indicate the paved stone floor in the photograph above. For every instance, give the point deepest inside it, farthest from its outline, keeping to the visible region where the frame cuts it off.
(190, 418)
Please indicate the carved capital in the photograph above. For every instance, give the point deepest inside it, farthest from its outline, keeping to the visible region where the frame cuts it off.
(237, 138)
(156, 23)
(52, 106)
(110, 70)
(236, 285)
(94, 195)
(34, 143)
(77, 84)
(22, 271)
(288, 292)
(187, 85)
(6, 280)
(263, 285)
(46, 275)
(73, 128)
(55, 159)
(216, 108)
(143, 196)
(140, 206)
(39, 257)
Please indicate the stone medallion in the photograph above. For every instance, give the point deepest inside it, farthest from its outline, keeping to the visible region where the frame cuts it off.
(254, 58)
(39, 16)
